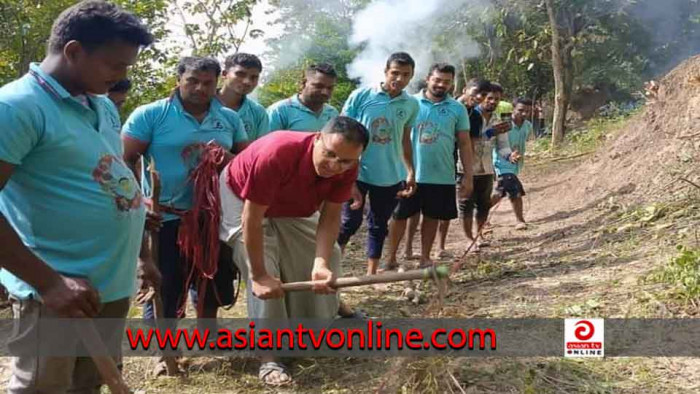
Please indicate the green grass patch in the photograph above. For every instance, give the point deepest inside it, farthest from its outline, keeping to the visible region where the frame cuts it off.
(682, 273)
(584, 139)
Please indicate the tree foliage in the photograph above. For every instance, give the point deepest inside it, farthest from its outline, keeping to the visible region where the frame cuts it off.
(314, 31)
(613, 45)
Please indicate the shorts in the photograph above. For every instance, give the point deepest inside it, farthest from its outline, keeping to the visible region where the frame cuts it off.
(509, 184)
(433, 201)
(480, 200)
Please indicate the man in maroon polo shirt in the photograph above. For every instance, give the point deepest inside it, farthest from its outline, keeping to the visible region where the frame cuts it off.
(270, 196)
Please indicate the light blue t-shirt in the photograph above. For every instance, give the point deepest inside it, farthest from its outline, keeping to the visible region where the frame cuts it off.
(175, 141)
(517, 138)
(254, 119)
(434, 138)
(385, 118)
(291, 114)
(71, 198)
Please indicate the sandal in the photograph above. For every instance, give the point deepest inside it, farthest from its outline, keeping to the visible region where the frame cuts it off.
(266, 372)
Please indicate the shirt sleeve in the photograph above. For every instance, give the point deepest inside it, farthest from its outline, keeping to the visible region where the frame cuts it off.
(276, 121)
(263, 181)
(349, 108)
(462, 119)
(343, 188)
(140, 123)
(263, 126)
(19, 134)
(239, 134)
(415, 107)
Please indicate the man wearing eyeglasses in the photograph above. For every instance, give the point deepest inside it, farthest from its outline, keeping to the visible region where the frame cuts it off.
(269, 194)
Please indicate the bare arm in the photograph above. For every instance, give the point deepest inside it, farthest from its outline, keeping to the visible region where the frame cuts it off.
(66, 296)
(407, 151)
(408, 163)
(466, 156)
(133, 150)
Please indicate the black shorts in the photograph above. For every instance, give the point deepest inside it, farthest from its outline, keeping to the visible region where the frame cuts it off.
(433, 201)
(480, 199)
(509, 184)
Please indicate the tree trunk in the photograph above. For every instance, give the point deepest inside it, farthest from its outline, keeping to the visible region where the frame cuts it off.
(561, 96)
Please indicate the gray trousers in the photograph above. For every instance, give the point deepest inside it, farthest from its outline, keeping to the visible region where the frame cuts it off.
(58, 374)
(289, 252)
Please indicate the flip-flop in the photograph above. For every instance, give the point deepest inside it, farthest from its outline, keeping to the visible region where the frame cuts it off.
(272, 366)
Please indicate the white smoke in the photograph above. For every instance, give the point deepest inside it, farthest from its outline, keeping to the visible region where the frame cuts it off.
(412, 26)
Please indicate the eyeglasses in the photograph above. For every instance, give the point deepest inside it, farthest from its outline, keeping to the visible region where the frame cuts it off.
(329, 154)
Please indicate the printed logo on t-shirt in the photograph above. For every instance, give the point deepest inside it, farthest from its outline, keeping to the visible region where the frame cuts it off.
(218, 125)
(381, 131)
(427, 133)
(117, 180)
(248, 127)
(400, 113)
(443, 111)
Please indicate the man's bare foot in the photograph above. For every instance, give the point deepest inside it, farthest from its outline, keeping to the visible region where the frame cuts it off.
(521, 226)
(344, 310)
(274, 373)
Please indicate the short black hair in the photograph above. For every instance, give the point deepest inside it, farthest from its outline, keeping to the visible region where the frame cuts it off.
(95, 23)
(245, 60)
(323, 68)
(351, 130)
(496, 87)
(196, 63)
(401, 58)
(484, 87)
(523, 101)
(122, 86)
(442, 68)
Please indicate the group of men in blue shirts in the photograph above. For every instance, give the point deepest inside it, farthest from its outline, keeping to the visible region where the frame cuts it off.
(66, 160)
